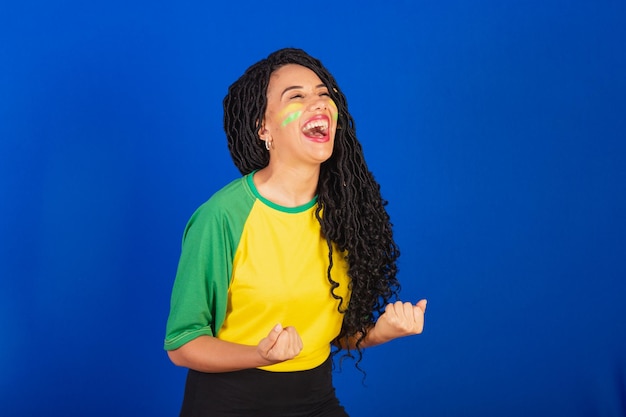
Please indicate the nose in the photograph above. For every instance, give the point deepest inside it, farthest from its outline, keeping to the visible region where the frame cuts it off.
(319, 103)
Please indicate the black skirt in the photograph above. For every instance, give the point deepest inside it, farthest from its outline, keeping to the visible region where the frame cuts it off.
(258, 393)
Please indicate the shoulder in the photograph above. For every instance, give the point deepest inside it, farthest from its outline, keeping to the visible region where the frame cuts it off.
(230, 203)
(236, 191)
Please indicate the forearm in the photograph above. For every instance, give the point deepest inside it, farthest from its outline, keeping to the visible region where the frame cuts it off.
(371, 339)
(399, 320)
(209, 354)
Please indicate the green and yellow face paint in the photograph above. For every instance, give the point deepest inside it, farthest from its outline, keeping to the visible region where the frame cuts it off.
(290, 113)
(293, 111)
(333, 110)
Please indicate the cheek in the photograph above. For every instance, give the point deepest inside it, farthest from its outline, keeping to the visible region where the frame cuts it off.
(333, 110)
(290, 113)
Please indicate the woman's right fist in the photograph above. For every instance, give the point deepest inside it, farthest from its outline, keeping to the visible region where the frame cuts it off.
(281, 344)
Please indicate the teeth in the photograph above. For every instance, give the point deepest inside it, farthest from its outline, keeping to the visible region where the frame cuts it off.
(323, 124)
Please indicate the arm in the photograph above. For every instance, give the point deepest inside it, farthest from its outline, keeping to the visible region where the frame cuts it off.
(399, 320)
(209, 354)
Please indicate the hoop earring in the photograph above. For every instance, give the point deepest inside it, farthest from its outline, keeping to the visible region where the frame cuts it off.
(268, 143)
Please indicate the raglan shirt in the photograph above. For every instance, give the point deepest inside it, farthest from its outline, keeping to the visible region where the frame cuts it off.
(247, 264)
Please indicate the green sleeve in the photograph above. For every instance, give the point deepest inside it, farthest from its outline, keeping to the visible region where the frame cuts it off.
(200, 292)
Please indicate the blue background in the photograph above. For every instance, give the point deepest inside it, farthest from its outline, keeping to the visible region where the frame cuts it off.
(496, 129)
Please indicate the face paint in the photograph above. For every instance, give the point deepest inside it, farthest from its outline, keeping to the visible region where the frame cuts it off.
(334, 110)
(293, 111)
(290, 113)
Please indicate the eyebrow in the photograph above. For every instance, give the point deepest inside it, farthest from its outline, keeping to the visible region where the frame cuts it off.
(299, 87)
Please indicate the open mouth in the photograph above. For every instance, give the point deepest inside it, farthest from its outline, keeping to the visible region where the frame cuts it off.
(316, 128)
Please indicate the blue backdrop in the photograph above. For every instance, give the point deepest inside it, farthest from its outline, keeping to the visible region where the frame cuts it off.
(496, 129)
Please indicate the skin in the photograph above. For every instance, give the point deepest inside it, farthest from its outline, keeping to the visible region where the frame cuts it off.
(290, 179)
(295, 95)
(399, 319)
(291, 113)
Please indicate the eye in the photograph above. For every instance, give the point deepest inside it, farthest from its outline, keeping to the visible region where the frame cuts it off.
(296, 96)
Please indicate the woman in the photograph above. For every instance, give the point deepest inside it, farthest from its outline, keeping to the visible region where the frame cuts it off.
(292, 261)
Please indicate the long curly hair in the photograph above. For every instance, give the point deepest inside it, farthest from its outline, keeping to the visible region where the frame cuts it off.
(350, 208)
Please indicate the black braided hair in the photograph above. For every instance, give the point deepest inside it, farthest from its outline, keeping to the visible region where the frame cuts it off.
(350, 208)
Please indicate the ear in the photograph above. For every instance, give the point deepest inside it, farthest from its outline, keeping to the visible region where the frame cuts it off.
(262, 132)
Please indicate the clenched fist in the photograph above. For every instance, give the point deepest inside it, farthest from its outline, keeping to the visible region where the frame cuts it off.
(400, 319)
(280, 344)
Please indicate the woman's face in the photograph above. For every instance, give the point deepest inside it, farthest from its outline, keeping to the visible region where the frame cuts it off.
(300, 119)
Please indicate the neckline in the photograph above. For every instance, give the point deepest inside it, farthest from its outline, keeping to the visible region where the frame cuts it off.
(297, 209)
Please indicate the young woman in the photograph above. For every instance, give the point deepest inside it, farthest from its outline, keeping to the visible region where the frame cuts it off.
(290, 263)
